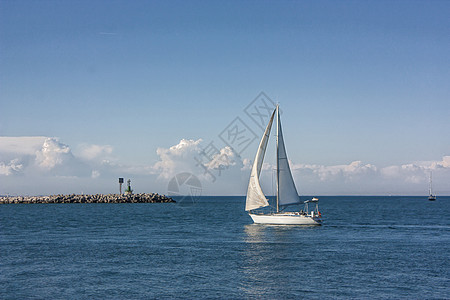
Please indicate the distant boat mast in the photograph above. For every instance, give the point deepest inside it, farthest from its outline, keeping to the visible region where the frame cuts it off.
(431, 197)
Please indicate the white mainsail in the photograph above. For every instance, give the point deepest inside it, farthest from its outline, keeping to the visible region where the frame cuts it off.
(287, 193)
(255, 195)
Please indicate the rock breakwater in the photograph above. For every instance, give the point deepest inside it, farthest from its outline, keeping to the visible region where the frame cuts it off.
(97, 198)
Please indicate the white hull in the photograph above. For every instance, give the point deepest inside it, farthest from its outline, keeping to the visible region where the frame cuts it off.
(285, 219)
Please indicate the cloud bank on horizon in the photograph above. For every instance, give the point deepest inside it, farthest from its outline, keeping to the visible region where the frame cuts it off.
(44, 165)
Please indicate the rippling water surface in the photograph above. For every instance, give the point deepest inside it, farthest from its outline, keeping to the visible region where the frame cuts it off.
(369, 247)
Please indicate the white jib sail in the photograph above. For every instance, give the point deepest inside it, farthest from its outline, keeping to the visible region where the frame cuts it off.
(255, 195)
(287, 193)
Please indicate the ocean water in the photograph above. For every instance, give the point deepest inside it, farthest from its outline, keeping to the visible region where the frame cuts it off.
(368, 247)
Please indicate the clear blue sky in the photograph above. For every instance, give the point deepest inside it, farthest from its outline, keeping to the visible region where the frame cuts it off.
(358, 80)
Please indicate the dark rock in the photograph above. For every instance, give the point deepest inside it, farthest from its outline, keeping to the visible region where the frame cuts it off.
(98, 198)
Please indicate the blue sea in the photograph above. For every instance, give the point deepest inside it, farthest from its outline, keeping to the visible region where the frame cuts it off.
(367, 248)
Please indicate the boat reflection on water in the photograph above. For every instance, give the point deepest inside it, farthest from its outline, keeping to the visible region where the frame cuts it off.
(256, 265)
(268, 251)
(254, 233)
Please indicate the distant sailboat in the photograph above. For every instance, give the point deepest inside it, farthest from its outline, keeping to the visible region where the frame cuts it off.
(431, 197)
(286, 191)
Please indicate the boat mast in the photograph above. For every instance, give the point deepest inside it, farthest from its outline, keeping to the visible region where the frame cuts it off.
(431, 192)
(278, 169)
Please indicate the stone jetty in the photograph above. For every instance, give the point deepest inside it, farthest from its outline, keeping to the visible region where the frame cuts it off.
(98, 198)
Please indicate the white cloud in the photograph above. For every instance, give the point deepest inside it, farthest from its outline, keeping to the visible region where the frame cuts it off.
(24, 145)
(224, 159)
(43, 153)
(445, 163)
(39, 156)
(46, 159)
(95, 152)
(352, 171)
(219, 170)
(12, 167)
(178, 158)
(247, 164)
(362, 178)
(53, 153)
(95, 174)
(416, 172)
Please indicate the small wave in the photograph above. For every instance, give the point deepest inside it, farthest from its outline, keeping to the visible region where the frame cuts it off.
(392, 226)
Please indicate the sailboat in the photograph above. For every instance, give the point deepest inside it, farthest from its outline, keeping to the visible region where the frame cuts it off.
(431, 197)
(286, 190)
